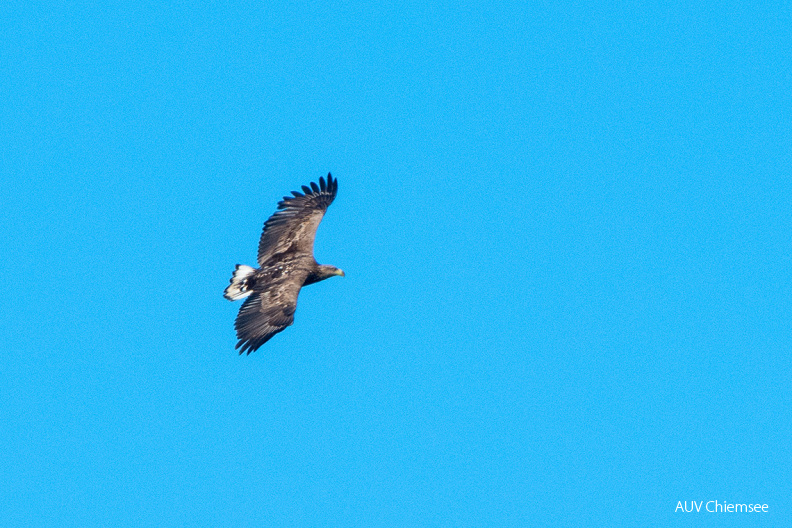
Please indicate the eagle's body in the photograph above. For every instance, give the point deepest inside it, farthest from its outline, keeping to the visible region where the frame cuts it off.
(286, 264)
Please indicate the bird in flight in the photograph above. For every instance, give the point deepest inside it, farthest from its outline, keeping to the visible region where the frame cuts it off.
(286, 264)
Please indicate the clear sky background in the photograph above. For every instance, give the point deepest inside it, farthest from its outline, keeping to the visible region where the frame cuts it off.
(566, 230)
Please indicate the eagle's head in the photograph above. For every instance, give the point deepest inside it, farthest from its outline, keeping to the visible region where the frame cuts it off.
(322, 272)
(332, 270)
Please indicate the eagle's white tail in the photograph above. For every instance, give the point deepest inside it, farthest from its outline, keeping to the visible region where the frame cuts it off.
(238, 289)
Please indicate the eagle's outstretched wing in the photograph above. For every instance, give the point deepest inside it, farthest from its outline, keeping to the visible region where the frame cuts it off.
(266, 312)
(293, 227)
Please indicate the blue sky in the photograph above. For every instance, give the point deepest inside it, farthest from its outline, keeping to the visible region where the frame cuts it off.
(566, 236)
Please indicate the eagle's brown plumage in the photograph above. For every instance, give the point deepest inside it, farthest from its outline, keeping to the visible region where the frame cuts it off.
(286, 264)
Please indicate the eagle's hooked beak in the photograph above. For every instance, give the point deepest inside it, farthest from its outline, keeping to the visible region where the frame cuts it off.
(340, 273)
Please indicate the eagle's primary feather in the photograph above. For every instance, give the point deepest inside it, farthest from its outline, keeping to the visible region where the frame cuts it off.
(286, 264)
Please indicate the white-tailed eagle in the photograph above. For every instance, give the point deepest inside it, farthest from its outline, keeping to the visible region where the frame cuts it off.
(286, 264)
